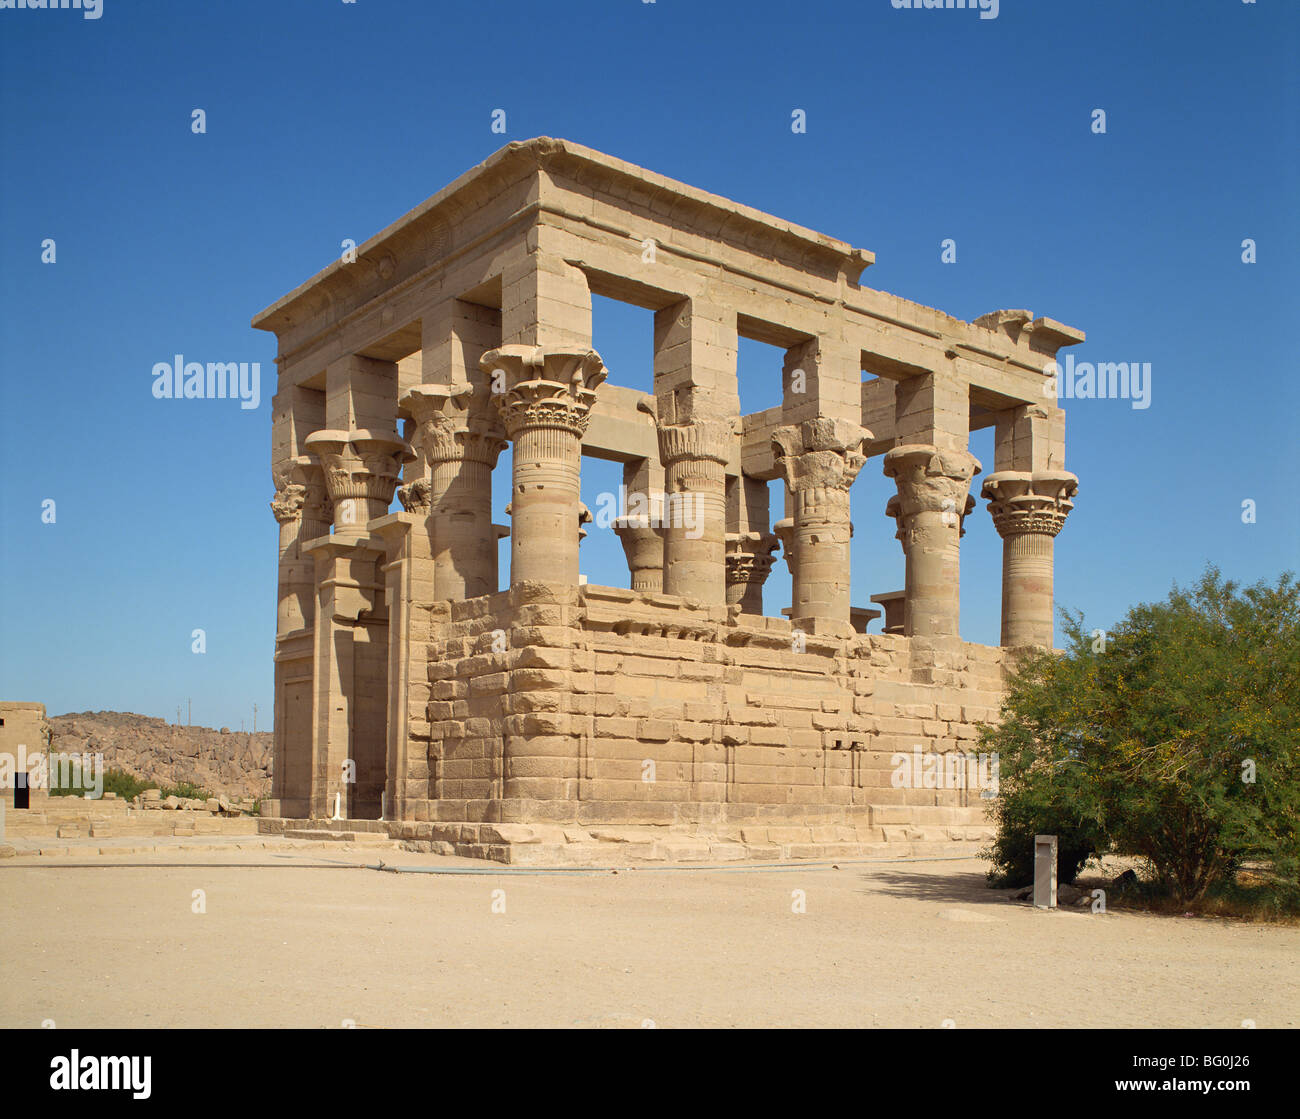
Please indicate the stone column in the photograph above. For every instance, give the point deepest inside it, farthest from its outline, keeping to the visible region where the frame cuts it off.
(820, 458)
(296, 584)
(303, 511)
(361, 471)
(1028, 509)
(409, 576)
(544, 399)
(695, 458)
(458, 445)
(638, 523)
(644, 547)
(749, 562)
(933, 498)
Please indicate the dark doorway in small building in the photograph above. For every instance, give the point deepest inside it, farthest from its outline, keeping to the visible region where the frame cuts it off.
(22, 795)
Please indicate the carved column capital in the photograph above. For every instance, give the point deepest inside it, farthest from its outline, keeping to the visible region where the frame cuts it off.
(304, 512)
(820, 459)
(362, 469)
(894, 508)
(358, 464)
(288, 502)
(416, 497)
(1024, 502)
(449, 426)
(749, 558)
(300, 495)
(702, 441)
(540, 387)
(544, 397)
(931, 480)
(643, 545)
(1028, 509)
(694, 457)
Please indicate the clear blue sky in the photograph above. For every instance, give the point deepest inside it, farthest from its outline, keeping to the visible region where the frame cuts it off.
(328, 120)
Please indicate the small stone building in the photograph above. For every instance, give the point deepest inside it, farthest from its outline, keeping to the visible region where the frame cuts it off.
(24, 746)
(490, 710)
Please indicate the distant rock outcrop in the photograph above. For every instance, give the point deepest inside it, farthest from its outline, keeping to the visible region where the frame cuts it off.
(221, 761)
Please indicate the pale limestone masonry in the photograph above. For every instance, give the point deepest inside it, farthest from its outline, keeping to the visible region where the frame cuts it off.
(532, 718)
(25, 735)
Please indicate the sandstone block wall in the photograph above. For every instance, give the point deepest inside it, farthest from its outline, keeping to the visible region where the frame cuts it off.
(21, 725)
(602, 705)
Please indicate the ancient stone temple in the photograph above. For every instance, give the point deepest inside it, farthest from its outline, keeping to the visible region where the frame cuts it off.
(524, 715)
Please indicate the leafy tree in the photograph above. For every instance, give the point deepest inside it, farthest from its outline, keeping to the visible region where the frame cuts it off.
(1175, 737)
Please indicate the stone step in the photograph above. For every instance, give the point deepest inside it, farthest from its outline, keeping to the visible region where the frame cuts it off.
(351, 825)
(318, 835)
(274, 825)
(134, 826)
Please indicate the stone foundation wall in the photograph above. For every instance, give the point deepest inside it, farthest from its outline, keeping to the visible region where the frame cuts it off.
(595, 705)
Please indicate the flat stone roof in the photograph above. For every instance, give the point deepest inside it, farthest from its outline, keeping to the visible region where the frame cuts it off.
(543, 151)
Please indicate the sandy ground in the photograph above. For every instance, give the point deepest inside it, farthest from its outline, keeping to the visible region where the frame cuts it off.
(905, 944)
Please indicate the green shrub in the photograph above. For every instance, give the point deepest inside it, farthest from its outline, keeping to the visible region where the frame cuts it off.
(125, 785)
(1172, 738)
(1022, 815)
(115, 781)
(186, 791)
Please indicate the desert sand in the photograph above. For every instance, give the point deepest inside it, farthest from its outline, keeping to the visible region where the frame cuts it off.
(313, 939)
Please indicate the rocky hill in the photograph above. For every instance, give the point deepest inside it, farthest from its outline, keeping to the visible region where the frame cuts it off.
(232, 763)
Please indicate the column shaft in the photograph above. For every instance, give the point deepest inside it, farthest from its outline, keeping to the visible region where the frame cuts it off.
(933, 499)
(457, 444)
(1027, 593)
(821, 537)
(695, 509)
(820, 459)
(544, 505)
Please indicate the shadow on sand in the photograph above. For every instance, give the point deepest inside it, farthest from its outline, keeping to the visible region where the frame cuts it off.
(965, 886)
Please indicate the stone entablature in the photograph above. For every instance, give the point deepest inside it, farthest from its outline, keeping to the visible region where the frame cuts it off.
(400, 653)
